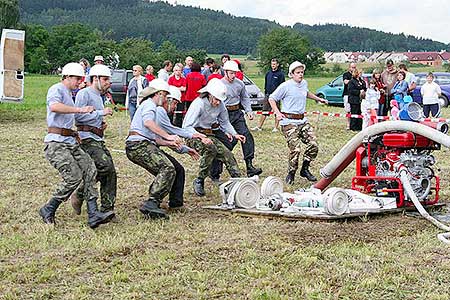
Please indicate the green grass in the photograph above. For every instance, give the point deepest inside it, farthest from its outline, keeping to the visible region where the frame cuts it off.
(199, 254)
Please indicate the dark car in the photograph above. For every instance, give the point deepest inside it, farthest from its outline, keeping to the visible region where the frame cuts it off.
(441, 78)
(119, 84)
(333, 91)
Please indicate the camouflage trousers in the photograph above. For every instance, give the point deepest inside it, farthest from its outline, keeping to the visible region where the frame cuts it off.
(76, 169)
(106, 172)
(156, 162)
(216, 150)
(296, 135)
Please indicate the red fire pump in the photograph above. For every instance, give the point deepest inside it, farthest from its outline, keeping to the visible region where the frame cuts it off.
(376, 173)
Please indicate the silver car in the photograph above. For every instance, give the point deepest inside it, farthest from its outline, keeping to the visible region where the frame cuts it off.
(256, 96)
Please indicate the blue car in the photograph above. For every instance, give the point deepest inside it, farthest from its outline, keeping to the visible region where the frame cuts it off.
(441, 78)
(333, 90)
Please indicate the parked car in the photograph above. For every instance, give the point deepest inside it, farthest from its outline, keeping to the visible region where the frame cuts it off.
(256, 96)
(441, 78)
(119, 84)
(334, 89)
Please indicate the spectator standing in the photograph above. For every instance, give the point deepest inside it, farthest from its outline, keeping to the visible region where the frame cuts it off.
(346, 77)
(215, 69)
(273, 79)
(400, 88)
(98, 60)
(194, 82)
(356, 92)
(410, 78)
(209, 62)
(179, 82)
(223, 60)
(389, 77)
(135, 86)
(382, 108)
(240, 74)
(187, 68)
(430, 92)
(164, 73)
(149, 73)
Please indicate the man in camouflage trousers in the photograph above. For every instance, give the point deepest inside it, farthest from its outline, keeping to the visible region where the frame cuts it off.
(63, 152)
(91, 130)
(292, 94)
(206, 112)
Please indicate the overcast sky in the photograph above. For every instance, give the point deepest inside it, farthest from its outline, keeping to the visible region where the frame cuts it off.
(423, 18)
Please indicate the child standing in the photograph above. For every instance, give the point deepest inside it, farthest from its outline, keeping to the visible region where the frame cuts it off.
(369, 105)
(430, 96)
(394, 110)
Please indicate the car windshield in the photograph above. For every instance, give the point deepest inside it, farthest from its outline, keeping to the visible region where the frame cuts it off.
(338, 81)
(117, 76)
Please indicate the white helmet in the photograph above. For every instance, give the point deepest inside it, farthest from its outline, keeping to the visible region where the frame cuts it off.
(296, 64)
(174, 93)
(100, 70)
(216, 88)
(73, 69)
(98, 57)
(159, 85)
(231, 65)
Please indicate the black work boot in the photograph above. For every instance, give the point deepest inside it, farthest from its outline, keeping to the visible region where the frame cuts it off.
(151, 209)
(290, 177)
(47, 212)
(304, 172)
(95, 217)
(252, 170)
(199, 187)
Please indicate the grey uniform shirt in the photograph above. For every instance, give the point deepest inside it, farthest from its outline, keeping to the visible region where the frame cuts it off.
(58, 93)
(162, 119)
(292, 96)
(90, 97)
(146, 111)
(236, 93)
(202, 114)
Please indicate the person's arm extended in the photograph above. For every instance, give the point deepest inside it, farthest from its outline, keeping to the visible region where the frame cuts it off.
(67, 109)
(314, 97)
(159, 131)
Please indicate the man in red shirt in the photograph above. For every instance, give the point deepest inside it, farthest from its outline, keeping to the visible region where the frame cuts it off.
(179, 81)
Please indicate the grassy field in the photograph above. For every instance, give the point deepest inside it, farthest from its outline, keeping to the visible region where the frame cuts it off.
(199, 254)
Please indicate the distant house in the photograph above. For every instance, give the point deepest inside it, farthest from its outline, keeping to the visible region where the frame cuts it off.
(339, 57)
(445, 56)
(358, 56)
(374, 57)
(398, 57)
(384, 56)
(425, 58)
(326, 56)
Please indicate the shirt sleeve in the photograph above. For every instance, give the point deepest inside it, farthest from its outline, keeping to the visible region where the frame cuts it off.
(81, 100)
(279, 93)
(245, 99)
(164, 122)
(192, 114)
(54, 96)
(224, 121)
(148, 111)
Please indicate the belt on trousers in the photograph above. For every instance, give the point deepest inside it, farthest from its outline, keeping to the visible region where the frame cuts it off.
(234, 107)
(294, 116)
(94, 130)
(215, 126)
(62, 131)
(206, 131)
(130, 133)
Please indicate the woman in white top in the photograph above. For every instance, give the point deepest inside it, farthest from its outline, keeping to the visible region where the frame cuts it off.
(430, 97)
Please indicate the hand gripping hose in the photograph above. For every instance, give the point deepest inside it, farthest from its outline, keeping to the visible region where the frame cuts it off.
(444, 237)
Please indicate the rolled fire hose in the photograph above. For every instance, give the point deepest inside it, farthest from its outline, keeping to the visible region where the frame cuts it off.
(444, 237)
(335, 201)
(378, 128)
(270, 186)
(243, 194)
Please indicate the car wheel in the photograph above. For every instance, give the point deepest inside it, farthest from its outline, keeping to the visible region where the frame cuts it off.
(320, 95)
(443, 101)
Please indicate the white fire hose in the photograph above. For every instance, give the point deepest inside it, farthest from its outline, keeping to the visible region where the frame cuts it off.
(444, 237)
(240, 192)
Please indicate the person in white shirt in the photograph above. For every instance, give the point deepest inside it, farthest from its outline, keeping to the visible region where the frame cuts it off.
(369, 105)
(430, 96)
(164, 73)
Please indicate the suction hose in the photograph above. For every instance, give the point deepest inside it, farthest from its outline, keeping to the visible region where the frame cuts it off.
(444, 237)
(346, 155)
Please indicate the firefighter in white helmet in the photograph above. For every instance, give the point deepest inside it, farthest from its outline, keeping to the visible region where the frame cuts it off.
(237, 99)
(63, 152)
(91, 129)
(295, 126)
